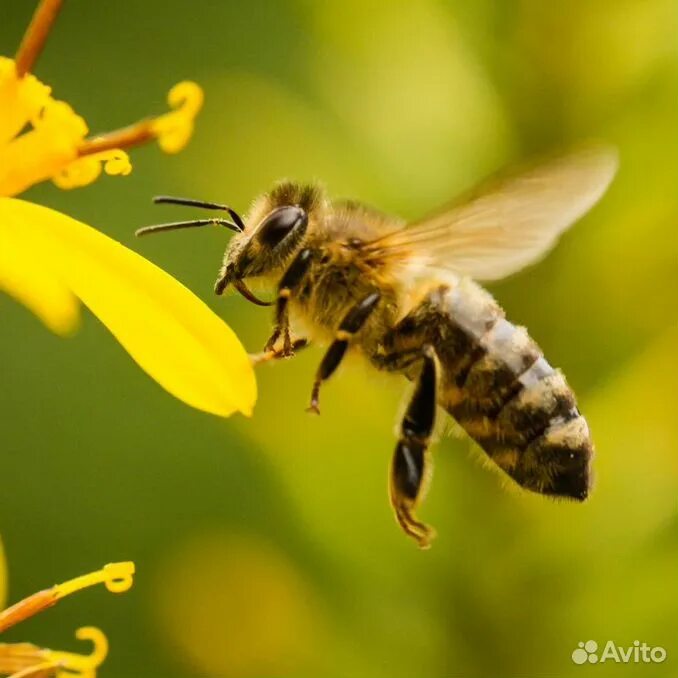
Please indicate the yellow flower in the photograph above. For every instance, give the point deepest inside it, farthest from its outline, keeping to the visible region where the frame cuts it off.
(50, 262)
(19, 660)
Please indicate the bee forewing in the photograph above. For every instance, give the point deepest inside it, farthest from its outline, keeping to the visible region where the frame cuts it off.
(510, 222)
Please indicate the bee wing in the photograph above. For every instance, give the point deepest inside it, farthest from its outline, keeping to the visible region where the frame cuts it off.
(509, 223)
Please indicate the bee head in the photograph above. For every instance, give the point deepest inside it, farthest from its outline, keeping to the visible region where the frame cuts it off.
(264, 242)
(272, 233)
(262, 249)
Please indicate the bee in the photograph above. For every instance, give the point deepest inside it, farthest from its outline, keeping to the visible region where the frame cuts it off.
(405, 296)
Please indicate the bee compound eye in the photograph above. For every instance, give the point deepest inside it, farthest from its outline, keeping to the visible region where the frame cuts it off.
(280, 223)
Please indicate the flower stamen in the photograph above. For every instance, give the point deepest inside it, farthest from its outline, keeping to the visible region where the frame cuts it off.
(18, 657)
(84, 665)
(131, 136)
(172, 130)
(117, 577)
(36, 34)
(19, 660)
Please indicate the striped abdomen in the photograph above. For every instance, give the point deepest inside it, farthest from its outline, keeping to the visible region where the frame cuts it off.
(496, 383)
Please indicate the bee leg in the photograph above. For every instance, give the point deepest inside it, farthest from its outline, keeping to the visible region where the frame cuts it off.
(351, 324)
(410, 467)
(289, 283)
(277, 354)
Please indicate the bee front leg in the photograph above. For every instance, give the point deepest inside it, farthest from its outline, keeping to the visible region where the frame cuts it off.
(289, 283)
(410, 468)
(276, 354)
(351, 324)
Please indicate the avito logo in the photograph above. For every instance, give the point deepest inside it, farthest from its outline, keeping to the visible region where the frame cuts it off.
(638, 653)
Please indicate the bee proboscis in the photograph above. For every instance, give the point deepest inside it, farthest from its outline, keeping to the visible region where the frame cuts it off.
(405, 297)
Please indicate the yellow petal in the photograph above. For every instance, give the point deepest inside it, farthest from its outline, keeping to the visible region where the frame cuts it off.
(22, 99)
(40, 153)
(168, 331)
(3, 578)
(34, 284)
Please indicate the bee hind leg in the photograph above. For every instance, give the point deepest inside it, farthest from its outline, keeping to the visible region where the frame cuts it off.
(410, 468)
(351, 324)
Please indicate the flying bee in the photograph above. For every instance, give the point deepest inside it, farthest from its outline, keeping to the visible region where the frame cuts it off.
(405, 297)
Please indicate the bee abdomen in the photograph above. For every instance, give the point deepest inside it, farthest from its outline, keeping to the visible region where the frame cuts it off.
(507, 397)
(505, 353)
(541, 439)
(544, 399)
(558, 461)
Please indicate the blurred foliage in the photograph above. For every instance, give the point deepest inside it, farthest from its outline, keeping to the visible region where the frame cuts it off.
(3, 577)
(266, 547)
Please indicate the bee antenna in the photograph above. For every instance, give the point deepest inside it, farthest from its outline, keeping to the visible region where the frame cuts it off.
(204, 204)
(195, 223)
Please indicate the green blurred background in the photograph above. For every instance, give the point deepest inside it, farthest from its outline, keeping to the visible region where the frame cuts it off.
(266, 547)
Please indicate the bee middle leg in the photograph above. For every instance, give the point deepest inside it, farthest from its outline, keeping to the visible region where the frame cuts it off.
(410, 467)
(352, 323)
